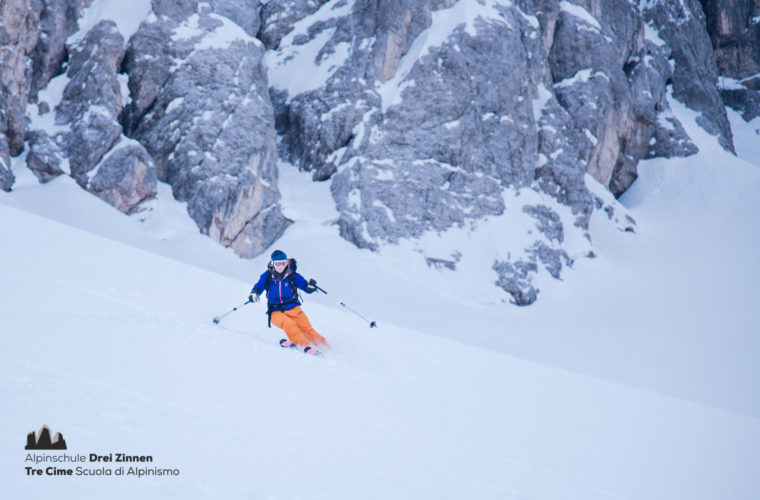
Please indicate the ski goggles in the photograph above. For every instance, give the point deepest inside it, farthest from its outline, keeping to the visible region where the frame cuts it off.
(279, 263)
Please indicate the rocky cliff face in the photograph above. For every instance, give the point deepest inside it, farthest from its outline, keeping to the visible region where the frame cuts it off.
(89, 144)
(32, 36)
(200, 105)
(734, 28)
(425, 111)
(18, 36)
(424, 115)
(185, 101)
(695, 76)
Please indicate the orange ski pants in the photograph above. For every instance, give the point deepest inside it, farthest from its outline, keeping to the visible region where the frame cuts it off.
(297, 327)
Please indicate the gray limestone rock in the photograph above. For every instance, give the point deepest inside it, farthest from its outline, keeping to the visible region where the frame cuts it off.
(695, 76)
(44, 157)
(19, 22)
(591, 84)
(377, 204)
(440, 264)
(6, 174)
(430, 140)
(89, 139)
(669, 138)
(279, 16)
(744, 100)
(177, 10)
(430, 146)
(32, 34)
(734, 28)
(58, 20)
(125, 178)
(457, 132)
(372, 36)
(31, 52)
(660, 133)
(515, 279)
(612, 82)
(90, 146)
(549, 222)
(149, 61)
(92, 99)
(433, 145)
(416, 130)
(200, 106)
(245, 13)
(553, 259)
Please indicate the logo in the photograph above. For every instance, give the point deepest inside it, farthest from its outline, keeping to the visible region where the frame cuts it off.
(43, 441)
(65, 464)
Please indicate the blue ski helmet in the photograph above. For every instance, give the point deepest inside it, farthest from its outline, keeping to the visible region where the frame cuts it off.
(278, 255)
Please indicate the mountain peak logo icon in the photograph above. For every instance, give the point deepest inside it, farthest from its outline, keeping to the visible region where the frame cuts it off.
(43, 441)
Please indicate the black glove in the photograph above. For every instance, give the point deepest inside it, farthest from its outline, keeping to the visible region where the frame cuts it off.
(254, 297)
(312, 286)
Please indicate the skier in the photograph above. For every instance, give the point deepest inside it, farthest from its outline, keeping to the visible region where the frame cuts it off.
(281, 283)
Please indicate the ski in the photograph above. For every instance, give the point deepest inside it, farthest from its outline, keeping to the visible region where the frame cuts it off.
(310, 351)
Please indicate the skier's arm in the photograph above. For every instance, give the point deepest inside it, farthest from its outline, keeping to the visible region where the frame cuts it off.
(258, 288)
(308, 287)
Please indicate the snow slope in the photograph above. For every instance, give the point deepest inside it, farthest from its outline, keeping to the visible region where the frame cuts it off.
(113, 347)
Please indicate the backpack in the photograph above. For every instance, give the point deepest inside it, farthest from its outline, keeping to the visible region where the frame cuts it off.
(292, 265)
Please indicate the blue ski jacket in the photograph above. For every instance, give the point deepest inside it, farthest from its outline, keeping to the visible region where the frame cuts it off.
(280, 293)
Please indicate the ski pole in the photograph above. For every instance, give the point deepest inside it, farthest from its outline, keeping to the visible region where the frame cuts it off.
(372, 324)
(217, 319)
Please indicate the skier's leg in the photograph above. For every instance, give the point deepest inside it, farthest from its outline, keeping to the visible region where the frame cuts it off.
(292, 330)
(305, 326)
